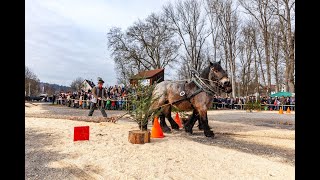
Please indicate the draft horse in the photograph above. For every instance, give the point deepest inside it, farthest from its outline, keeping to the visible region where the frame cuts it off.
(195, 95)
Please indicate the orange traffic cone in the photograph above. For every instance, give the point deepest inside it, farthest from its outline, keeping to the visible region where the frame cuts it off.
(280, 111)
(177, 120)
(156, 131)
(288, 110)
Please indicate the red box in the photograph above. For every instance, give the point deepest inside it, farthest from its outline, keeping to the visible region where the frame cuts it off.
(81, 133)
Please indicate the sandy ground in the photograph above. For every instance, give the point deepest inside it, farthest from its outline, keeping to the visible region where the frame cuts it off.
(257, 145)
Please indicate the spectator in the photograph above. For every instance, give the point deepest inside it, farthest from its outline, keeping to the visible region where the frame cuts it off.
(89, 99)
(53, 98)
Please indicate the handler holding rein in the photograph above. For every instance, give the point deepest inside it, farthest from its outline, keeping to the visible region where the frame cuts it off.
(98, 93)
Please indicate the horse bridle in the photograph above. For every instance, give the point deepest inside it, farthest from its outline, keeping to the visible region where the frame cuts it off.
(203, 86)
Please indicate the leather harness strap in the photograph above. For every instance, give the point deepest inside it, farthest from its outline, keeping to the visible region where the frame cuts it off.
(193, 94)
(202, 87)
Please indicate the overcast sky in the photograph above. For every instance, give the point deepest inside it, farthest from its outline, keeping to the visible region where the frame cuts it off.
(66, 39)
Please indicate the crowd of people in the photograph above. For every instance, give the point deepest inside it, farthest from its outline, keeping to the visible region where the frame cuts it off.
(116, 98)
(267, 103)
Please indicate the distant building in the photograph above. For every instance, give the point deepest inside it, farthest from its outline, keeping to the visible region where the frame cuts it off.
(282, 87)
(263, 91)
(148, 77)
(87, 85)
(273, 88)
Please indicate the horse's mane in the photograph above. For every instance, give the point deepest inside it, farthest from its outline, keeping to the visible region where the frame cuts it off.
(205, 72)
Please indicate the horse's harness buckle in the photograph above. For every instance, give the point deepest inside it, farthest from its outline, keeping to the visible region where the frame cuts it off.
(182, 93)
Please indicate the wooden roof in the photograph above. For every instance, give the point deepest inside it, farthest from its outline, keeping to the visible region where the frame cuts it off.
(91, 84)
(147, 74)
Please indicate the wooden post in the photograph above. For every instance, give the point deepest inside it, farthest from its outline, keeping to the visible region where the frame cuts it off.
(139, 137)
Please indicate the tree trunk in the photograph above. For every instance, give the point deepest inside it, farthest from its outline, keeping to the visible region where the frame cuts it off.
(267, 54)
(291, 51)
(233, 82)
(239, 95)
(276, 74)
(231, 64)
(139, 137)
(256, 71)
(288, 41)
(259, 57)
(275, 47)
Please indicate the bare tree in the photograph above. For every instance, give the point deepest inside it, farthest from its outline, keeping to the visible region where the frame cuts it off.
(246, 49)
(214, 27)
(258, 68)
(156, 39)
(31, 82)
(189, 23)
(76, 84)
(49, 89)
(243, 71)
(124, 72)
(263, 51)
(250, 66)
(285, 12)
(275, 40)
(227, 17)
(125, 52)
(146, 45)
(260, 11)
(258, 56)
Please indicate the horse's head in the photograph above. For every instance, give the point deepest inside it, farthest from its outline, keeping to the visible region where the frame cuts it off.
(219, 76)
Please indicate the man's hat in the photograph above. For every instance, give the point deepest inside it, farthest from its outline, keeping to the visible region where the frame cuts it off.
(100, 80)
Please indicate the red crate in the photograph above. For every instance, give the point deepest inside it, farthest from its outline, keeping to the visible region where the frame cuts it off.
(81, 133)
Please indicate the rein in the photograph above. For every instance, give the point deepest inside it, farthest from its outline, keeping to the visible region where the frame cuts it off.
(198, 81)
(203, 86)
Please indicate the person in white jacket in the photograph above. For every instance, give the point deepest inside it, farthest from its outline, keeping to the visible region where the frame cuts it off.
(98, 94)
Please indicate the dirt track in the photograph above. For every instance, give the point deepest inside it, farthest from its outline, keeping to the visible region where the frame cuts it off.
(258, 145)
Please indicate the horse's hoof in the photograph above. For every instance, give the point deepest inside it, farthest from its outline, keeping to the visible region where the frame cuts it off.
(166, 129)
(188, 131)
(201, 128)
(176, 127)
(209, 134)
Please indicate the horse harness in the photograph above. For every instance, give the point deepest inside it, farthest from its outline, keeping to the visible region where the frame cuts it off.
(202, 87)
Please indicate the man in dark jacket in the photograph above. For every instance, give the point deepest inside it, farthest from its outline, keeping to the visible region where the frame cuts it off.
(53, 98)
(98, 93)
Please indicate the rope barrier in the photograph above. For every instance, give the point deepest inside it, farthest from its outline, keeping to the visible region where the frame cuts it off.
(261, 105)
(124, 103)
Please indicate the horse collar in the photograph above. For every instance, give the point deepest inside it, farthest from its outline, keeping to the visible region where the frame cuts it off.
(199, 84)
